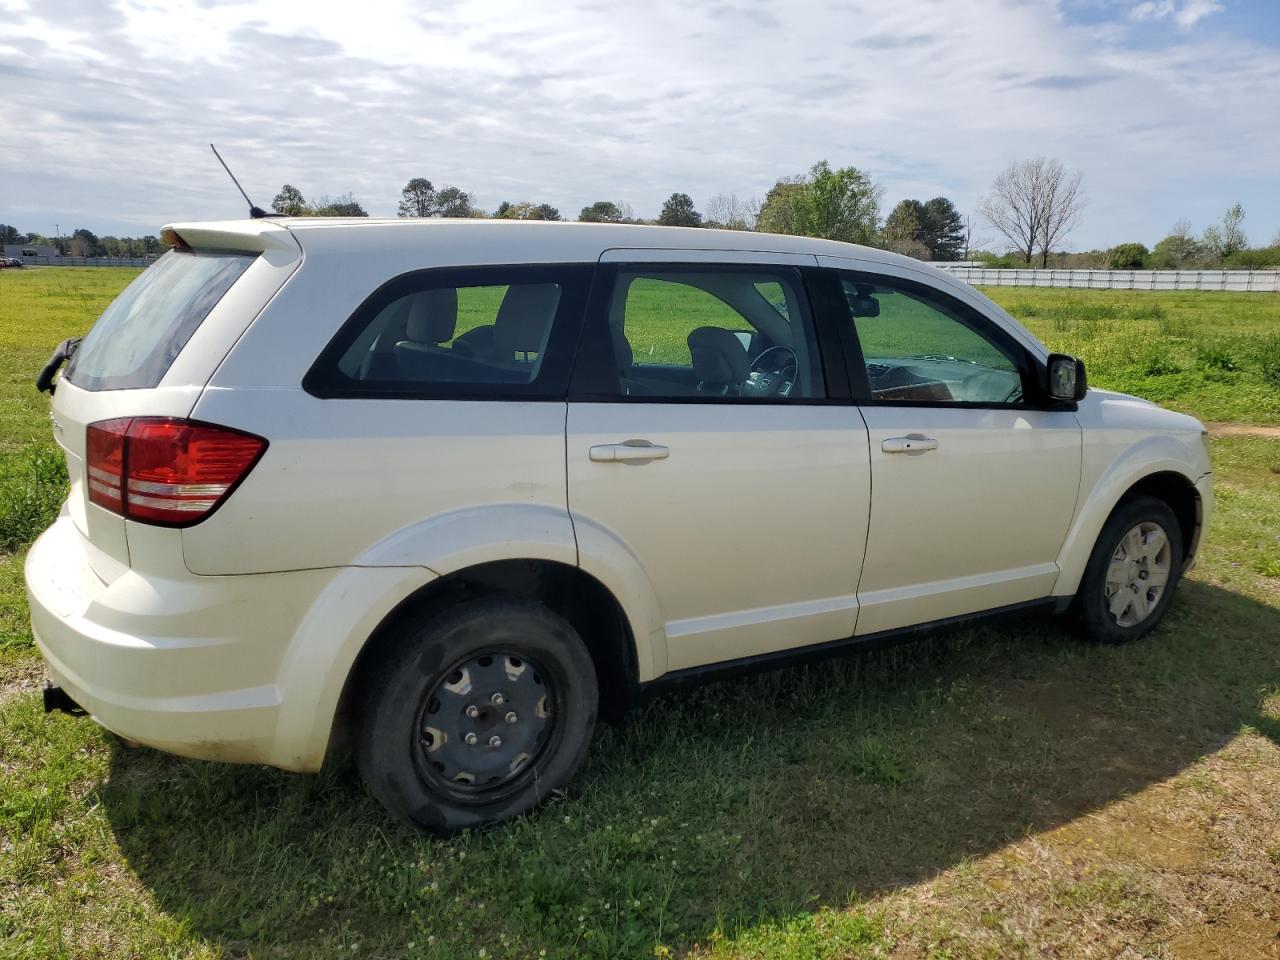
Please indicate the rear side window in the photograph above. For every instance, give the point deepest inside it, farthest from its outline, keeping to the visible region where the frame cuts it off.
(137, 338)
(483, 331)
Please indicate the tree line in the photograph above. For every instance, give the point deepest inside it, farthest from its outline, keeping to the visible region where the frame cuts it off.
(85, 243)
(841, 203)
(1032, 205)
(1223, 244)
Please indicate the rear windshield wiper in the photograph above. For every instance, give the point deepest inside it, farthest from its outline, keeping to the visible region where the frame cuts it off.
(61, 354)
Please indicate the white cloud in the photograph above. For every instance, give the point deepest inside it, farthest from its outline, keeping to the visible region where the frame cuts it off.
(110, 108)
(1186, 15)
(1151, 10)
(1193, 11)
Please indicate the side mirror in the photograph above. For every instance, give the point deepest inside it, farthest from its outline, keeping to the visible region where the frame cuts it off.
(1065, 377)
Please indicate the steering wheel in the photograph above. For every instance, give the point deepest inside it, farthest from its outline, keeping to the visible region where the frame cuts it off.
(774, 379)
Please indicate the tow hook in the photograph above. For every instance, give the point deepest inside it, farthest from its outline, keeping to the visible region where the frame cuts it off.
(55, 698)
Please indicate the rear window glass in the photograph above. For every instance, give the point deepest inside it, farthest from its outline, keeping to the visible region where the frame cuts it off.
(137, 338)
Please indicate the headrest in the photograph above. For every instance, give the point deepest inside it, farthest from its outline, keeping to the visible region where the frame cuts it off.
(433, 315)
(862, 302)
(524, 319)
(719, 358)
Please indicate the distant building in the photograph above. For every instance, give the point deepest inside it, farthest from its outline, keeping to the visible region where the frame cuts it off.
(21, 250)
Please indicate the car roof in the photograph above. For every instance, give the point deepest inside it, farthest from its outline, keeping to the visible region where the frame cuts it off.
(514, 240)
(412, 243)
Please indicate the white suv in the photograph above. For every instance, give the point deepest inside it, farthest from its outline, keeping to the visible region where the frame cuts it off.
(469, 484)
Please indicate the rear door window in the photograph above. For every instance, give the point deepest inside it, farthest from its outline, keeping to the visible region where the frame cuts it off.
(138, 337)
(723, 332)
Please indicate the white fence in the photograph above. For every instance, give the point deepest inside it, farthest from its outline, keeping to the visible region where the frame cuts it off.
(86, 261)
(1261, 281)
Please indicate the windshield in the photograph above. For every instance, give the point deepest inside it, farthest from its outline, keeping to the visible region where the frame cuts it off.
(138, 337)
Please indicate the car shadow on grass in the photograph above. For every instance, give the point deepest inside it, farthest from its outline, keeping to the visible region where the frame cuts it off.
(716, 808)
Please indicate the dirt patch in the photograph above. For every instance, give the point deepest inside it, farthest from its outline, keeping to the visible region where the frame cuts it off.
(1245, 933)
(1187, 868)
(19, 678)
(1218, 429)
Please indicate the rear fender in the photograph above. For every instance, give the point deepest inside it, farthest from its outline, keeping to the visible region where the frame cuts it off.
(466, 538)
(323, 651)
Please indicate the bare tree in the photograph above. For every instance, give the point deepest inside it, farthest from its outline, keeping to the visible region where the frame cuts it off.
(726, 211)
(971, 237)
(1035, 203)
(1229, 238)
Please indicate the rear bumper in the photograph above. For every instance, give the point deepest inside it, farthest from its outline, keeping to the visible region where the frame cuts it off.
(185, 664)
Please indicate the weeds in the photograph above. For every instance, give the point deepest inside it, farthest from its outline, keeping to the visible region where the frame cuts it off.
(1267, 356)
(1216, 356)
(33, 484)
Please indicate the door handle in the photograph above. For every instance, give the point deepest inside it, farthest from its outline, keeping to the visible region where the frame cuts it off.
(911, 443)
(629, 451)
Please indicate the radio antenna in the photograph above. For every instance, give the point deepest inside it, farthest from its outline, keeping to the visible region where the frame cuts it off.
(256, 212)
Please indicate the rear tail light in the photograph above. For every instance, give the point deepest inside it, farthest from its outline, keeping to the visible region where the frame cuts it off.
(164, 471)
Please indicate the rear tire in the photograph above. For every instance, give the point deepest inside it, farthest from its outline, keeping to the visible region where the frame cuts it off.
(1132, 572)
(475, 714)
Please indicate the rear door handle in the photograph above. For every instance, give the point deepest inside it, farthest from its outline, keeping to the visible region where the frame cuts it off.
(629, 451)
(911, 443)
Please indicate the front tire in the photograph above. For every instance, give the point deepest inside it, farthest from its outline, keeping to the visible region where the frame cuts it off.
(476, 714)
(1132, 572)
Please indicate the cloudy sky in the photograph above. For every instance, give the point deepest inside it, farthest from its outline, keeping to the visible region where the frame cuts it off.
(1170, 107)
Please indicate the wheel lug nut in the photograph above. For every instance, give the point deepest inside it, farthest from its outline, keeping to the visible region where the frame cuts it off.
(495, 742)
(471, 739)
(497, 699)
(473, 711)
(511, 717)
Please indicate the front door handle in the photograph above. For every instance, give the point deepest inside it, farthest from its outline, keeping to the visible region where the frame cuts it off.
(629, 451)
(911, 443)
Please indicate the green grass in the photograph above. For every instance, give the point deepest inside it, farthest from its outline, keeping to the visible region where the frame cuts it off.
(1002, 791)
(1213, 355)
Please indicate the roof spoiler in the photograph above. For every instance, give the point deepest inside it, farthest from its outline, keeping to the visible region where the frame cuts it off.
(252, 236)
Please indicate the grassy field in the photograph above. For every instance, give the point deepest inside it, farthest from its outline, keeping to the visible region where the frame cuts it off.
(1214, 355)
(995, 792)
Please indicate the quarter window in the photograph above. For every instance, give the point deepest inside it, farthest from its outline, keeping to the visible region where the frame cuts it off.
(712, 332)
(487, 331)
(917, 348)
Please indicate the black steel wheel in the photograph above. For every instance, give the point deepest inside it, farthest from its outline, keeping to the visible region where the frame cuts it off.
(476, 714)
(485, 724)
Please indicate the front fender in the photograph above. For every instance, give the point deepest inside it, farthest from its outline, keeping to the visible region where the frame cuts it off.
(1150, 455)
